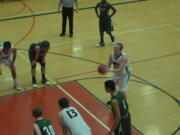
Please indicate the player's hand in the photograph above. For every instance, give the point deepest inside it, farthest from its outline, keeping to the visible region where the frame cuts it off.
(107, 68)
(0, 72)
(108, 17)
(77, 10)
(34, 62)
(44, 61)
(110, 70)
(111, 132)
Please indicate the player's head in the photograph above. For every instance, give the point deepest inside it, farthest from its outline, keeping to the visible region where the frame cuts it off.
(6, 46)
(63, 102)
(46, 44)
(109, 85)
(37, 112)
(118, 49)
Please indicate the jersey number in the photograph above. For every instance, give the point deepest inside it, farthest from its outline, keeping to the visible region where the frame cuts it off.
(71, 113)
(49, 130)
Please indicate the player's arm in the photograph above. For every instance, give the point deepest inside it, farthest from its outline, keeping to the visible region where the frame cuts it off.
(77, 5)
(110, 61)
(113, 10)
(37, 52)
(44, 55)
(116, 113)
(36, 129)
(59, 5)
(14, 55)
(64, 128)
(96, 10)
(3, 56)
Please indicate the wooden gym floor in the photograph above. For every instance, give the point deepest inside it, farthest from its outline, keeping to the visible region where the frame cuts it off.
(150, 32)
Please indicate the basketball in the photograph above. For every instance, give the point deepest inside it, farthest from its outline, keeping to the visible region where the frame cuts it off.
(102, 69)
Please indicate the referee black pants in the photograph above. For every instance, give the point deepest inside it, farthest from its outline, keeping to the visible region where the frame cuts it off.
(67, 13)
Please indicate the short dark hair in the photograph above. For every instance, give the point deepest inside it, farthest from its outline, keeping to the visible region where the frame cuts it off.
(109, 84)
(63, 102)
(37, 112)
(120, 45)
(46, 44)
(7, 44)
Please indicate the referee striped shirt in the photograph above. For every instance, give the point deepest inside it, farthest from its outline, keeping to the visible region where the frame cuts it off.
(68, 3)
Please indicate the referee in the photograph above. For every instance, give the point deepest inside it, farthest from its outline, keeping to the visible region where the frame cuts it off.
(67, 11)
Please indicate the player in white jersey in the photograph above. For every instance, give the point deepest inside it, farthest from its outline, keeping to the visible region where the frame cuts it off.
(71, 120)
(8, 57)
(121, 68)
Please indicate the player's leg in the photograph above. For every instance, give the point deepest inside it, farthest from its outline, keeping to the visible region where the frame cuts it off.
(13, 74)
(8, 62)
(118, 130)
(33, 68)
(109, 29)
(43, 72)
(70, 17)
(0, 67)
(101, 32)
(33, 74)
(123, 84)
(64, 20)
(111, 36)
(126, 125)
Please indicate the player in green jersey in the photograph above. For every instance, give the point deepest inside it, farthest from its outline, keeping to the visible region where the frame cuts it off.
(122, 119)
(42, 126)
(102, 10)
(37, 53)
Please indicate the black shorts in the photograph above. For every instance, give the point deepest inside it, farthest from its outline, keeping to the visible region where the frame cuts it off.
(105, 24)
(124, 127)
(32, 56)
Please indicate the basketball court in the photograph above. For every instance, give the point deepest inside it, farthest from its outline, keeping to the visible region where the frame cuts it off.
(150, 32)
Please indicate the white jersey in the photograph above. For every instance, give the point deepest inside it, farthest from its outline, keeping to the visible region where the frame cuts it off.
(117, 60)
(73, 120)
(6, 58)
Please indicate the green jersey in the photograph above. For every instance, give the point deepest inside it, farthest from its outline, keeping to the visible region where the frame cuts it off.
(33, 45)
(104, 9)
(45, 127)
(123, 106)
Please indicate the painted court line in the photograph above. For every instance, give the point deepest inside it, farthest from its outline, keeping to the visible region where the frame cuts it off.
(92, 104)
(174, 27)
(76, 101)
(119, 33)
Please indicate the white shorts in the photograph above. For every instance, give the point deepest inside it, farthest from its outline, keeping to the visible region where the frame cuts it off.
(7, 61)
(121, 81)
